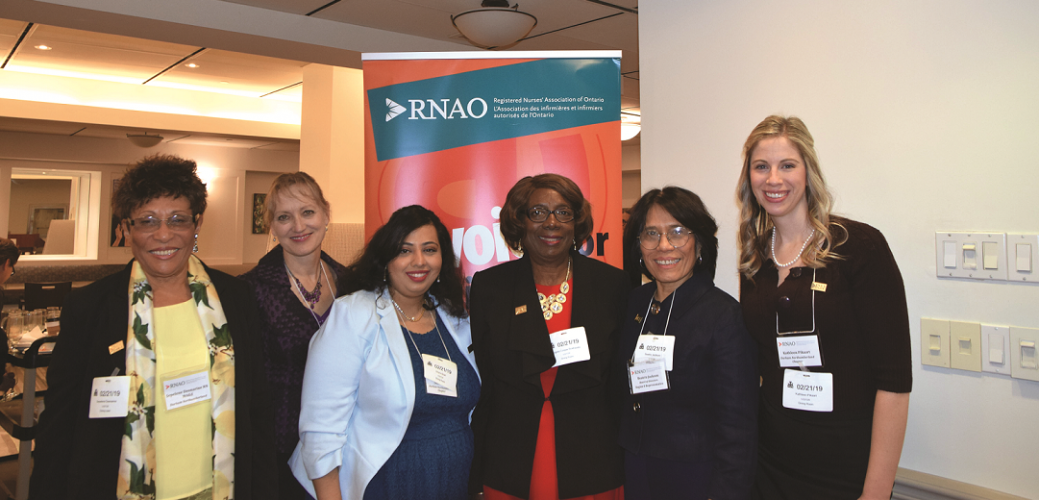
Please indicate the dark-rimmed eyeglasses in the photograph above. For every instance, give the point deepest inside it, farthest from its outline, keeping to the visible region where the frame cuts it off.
(649, 238)
(176, 222)
(540, 214)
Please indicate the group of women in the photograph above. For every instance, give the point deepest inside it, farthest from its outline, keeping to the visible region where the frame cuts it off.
(556, 382)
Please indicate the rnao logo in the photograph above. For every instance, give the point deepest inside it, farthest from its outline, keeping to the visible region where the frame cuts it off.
(430, 109)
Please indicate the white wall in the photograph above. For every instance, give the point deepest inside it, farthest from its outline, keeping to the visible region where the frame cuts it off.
(222, 238)
(924, 115)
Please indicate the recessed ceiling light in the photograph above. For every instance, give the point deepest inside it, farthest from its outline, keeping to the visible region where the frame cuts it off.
(44, 47)
(192, 65)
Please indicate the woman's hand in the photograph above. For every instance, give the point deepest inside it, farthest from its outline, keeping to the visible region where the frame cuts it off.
(327, 487)
(890, 413)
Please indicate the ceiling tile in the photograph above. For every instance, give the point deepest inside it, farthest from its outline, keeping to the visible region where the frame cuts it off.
(109, 57)
(223, 71)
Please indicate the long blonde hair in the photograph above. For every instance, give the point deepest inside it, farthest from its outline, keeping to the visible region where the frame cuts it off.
(756, 225)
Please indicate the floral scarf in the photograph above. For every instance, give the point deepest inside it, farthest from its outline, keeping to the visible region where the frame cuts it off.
(137, 461)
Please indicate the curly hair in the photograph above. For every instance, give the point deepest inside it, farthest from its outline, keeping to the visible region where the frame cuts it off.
(689, 210)
(305, 183)
(368, 272)
(756, 225)
(8, 252)
(156, 177)
(517, 203)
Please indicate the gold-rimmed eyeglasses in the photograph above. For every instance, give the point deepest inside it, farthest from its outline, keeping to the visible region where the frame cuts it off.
(649, 238)
(176, 222)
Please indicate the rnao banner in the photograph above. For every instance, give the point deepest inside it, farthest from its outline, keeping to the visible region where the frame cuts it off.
(454, 131)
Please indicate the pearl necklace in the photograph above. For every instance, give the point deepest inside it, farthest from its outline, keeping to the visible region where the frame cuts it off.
(401, 311)
(803, 247)
(553, 304)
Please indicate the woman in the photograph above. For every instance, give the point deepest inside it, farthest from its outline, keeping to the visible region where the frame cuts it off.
(390, 382)
(689, 421)
(295, 285)
(824, 299)
(181, 341)
(545, 426)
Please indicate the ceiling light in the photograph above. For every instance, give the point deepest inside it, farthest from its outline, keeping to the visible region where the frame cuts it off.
(630, 130)
(44, 47)
(144, 140)
(495, 24)
(192, 65)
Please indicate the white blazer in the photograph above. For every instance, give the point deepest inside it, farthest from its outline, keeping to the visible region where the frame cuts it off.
(359, 391)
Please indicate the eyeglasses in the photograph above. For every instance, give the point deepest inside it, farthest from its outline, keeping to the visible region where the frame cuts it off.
(540, 214)
(175, 222)
(649, 238)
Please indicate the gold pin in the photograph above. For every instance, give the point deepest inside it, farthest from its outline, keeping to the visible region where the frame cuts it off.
(521, 309)
(116, 347)
(638, 318)
(819, 287)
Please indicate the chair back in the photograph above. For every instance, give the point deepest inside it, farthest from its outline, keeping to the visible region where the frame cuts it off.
(44, 295)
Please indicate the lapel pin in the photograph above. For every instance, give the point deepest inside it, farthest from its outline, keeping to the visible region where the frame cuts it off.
(819, 287)
(638, 318)
(521, 309)
(116, 347)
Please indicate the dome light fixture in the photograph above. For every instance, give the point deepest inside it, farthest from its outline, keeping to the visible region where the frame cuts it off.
(630, 130)
(495, 24)
(144, 140)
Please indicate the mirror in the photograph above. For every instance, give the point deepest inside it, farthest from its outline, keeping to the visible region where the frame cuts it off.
(54, 214)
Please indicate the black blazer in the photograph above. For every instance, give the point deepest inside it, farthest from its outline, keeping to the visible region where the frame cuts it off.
(512, 349)
(78, 457)
(709, 415)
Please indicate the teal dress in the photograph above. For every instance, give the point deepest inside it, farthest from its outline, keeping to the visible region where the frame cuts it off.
(433, 460)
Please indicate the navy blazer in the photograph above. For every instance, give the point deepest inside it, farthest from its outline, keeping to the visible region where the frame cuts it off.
(78, 457)
(709, 415)
(512, 349)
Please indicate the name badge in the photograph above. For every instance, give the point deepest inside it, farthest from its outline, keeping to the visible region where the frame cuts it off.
(647, 377)
(186, 390)
(807, 391)
(655, 348)
(441, 376)
(110, 397)
(799, 350)
(570, 346)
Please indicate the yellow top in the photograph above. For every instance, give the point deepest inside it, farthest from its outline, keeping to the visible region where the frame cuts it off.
(183, 437)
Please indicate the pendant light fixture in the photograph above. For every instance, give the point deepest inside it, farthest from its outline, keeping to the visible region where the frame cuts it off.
(144, 140)
(495, 24)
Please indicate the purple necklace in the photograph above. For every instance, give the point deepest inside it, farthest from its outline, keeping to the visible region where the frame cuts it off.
(314, 297)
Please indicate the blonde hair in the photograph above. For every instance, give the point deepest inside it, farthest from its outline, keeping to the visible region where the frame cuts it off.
(308, 187)
(756, 225)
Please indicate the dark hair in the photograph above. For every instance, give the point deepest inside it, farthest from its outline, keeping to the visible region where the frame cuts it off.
(368, 272)
(281, 184)
(8, 252)
(687, 208)
(514, 212)
(155, 177)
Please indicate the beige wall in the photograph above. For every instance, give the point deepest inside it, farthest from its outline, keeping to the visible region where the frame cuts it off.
(35, 192)
(924, 119)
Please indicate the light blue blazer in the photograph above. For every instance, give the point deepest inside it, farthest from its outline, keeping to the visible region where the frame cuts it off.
(359, 391)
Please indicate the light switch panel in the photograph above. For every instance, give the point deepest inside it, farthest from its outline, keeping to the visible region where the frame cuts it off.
(1023, 257)
(980, 256)
(965, 339)
(934, 342)
(1024, 353)
(995, 349)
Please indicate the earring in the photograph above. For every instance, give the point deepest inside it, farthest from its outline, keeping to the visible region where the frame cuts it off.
(326, 228)
(575, 244)
(386, 275)
(699, 258)
(438, 278)
(196, 244)
(275, 238)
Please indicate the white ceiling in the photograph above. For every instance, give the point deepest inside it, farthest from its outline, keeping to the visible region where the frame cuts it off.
(562, 25)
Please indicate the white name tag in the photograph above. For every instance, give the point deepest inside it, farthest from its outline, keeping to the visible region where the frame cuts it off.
(655, 348)
(647, 377)
(109, 397)
(441, 376)
(807, 391)
(803, 348)
(186, 390)
(570, 346)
